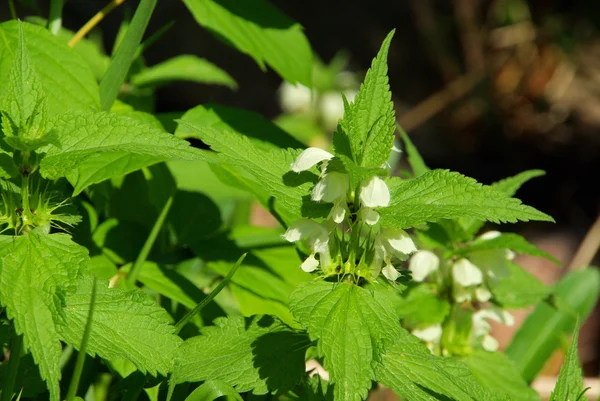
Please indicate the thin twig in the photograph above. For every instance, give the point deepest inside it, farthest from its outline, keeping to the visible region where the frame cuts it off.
(95, 20)
(588, 248)
(439, 101)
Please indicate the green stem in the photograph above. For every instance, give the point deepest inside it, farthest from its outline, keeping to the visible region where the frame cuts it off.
(25, 193)
(13, 11)
(8, 381)
(135, 269)
(55, 17)
(81, 354)
(184, 320)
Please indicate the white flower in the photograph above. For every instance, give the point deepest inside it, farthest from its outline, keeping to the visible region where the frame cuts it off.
(430, 334)
(422, 264)
(466, 273)
(481, 327)
(490, 344)
(331, 107)
(310, 157)
(490, 235)
(368, 215)
(294, 98)
(374, 193)
(395, 242)
(482, 294)
(390, 272)
(317, 238)
(331, 187)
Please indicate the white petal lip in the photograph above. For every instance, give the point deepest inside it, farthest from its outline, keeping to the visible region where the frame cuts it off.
(422, 264)
(368, 215)
(310, 264)
(466, 273)
(490, 235)
(431, 334)
(490, 343)
(483, 294)
(390, 272)
(310, 157)
(338, 212)
(400, 241)
(375, 193)
(331, 187)
(304, 228)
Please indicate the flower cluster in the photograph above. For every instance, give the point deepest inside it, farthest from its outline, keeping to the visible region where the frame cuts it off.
(350, 240)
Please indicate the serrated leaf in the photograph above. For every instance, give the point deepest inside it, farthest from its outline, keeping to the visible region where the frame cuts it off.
(414, 158)
(210, 390)
(507, 186)
(518, 288)
(265, 173)
(369, 122)
(258, 354)
(98, 146)
(65, 77)
(262, 132)
(356, 173)
(442, 194)
(183, 68)
(353, 327)
(421, 305)
(511, 241)
(412, 372)
(38, 271)
(570, 380)
(260, 30)
(499, 374)
(125, 325)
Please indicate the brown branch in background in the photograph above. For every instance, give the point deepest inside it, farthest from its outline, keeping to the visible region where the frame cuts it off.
(465, 12)
(439, 101)
(95, 20)
(588, 248)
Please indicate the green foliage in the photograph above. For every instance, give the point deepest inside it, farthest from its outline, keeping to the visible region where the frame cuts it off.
(261, 31)
(517, 288)
(570, 380)
(353, 327)
(414, 158)
(213, 389)
(258, 354)
(510, 241)
(442, 194)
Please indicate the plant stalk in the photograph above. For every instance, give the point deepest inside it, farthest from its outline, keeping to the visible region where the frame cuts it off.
(8, 382)
(95, 20)
(55, 17)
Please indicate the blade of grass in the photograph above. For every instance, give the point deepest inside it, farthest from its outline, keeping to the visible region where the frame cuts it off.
(95, 20)
(152, 39)
(8, 381)
(119, 67)
(81, 354)
(143, 255)
(13, 11)
(184, 320)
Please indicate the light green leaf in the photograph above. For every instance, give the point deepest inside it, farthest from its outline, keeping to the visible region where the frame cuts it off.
(258, 354)
(260, 30)
(499, 374)
(65, 77)
(518, 288)
(125, 325)
(442, 194)
(412, 372)
(98, 146)
(261, 131)
(570, 380)
(265, 174)
(369, 122)
(421, 305)
(414, 158)
(511, 241)
(38, 272)
(183, 68)
(353, 326)
(210, 390)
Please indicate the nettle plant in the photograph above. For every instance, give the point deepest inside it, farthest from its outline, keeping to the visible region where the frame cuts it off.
(122, 242)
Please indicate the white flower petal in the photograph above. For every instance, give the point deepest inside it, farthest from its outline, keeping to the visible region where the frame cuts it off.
(510, 255)
(310, 264)
(294, 98)
(331, 107)
(482, 294)
(490, 235)
(422, 264)
(368, 215)
(430, 334)
(310, 157)
(466, 273)
(462, 295)
(374, 193)
(480, 325)
(399, 243)
(338, 212)
(303, 228)
(490, 344)
(331, 187)
(390, 272)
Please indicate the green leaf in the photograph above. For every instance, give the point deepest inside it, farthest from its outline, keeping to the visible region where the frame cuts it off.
(353, 326)
(258, 354)
(261, 131)
(65, 77)
(265, 174)
(98, 146)
(38, 272)
(183, 68)
(125, 325)
(125, 54)
(499, 374)
(570, 380)
(412, 372)
(541, 333)
(518, 288)
(511, 241)
(369, 122)
(356, 173)
(421, 305)
(414, 158)
(260, 30)
(213, 389)
(442, 194)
